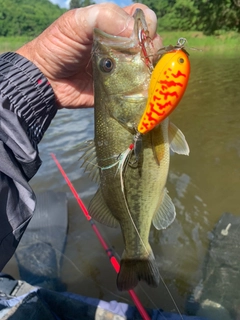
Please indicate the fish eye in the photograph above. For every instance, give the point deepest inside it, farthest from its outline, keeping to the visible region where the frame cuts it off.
(106, 64)
(181, 60)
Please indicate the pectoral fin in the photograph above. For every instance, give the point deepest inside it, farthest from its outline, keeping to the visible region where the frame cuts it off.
(90, 160)
(99, 211)
(165, 214)
(177, 140)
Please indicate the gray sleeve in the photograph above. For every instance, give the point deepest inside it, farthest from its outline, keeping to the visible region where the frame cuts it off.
(27, 106)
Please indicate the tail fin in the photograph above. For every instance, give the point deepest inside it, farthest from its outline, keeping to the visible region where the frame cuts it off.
(134, 270)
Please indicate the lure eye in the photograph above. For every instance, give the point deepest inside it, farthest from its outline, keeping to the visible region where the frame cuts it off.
(181, 60)
(106, 65)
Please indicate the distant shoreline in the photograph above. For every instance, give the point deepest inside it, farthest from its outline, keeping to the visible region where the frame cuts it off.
(226, 42)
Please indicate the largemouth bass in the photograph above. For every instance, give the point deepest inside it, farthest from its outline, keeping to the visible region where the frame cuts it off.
(132, 190)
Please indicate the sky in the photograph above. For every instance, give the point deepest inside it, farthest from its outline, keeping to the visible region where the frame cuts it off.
(65, 3)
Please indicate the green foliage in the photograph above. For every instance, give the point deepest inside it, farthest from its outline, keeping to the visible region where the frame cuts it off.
(80, 3)
(217, 15)
(74, 4)
(27, 17)
(209, 16)
(181, 16)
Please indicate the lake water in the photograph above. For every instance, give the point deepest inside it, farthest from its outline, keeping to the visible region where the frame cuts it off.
(203, 186)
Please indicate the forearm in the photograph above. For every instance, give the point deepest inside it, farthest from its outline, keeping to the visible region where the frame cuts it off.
(27, 106)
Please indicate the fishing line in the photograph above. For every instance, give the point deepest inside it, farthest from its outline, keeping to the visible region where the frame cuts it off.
(108, 250)
(122, 164)
(152, 302)
(135, 227)
(130, 216)
(59, 252)
(121, 169)
(171, 296)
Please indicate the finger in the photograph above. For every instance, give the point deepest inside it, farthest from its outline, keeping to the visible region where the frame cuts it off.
(112, 19)
(108, 17)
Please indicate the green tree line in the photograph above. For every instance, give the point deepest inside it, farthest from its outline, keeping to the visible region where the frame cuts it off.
(27, 17)
(208, 16)
(31, 17)
(80, 3)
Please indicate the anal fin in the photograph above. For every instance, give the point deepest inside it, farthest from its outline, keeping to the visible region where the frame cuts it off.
(166, 214)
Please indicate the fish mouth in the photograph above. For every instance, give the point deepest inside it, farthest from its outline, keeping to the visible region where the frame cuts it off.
(116, 42)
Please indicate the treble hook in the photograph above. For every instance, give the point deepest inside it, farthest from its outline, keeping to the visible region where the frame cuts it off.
(141, 29)
(142, 37)
(180, 45)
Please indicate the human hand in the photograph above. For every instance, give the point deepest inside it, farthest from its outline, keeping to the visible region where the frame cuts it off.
(63, 51)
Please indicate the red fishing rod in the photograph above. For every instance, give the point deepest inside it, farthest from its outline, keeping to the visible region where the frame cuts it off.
(107, 249)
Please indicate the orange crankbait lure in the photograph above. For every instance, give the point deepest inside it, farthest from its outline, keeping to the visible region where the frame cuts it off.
(168, 83)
